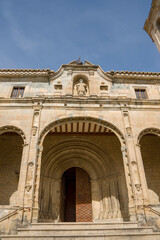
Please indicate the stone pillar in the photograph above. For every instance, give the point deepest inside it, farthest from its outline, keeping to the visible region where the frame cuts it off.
(131, 204)
(105, 198)
(36, 203)
(142, 174)
(22, 176)
(56, 199)
(95, 199)
(100, 200)
(69, 90)
(32, 163)
(133, 171)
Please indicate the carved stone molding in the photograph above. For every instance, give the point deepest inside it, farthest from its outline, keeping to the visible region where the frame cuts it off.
(154, 131)
(72, 119)
(138, 187)
(30, 164)
(28, 187)
(129, 132)
(34, 130)
(10, 128)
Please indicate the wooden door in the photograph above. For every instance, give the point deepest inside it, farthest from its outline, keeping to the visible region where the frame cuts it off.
(83, 196)
(78, 203)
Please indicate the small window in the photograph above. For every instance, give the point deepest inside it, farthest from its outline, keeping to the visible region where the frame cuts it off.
(141, 93)
(17, 92)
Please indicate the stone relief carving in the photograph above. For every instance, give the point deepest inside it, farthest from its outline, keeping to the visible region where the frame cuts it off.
(80, 88)
(138, 187)
(128, 130)
(28, 187)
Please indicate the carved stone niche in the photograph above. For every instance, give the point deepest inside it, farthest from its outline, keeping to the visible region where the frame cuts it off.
(80, 87)
(58, 86)
(104, 88)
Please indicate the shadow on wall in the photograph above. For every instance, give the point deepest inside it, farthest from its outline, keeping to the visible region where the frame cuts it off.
(100, 156)
(150, 149)
(10, 161)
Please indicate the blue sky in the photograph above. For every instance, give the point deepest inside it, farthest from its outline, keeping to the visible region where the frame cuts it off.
(40, 34)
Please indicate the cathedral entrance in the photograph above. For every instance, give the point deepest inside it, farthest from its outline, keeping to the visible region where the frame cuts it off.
(82, 174)
(76, 205)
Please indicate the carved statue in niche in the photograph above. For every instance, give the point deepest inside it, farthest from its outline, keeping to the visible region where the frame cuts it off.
(80, 88)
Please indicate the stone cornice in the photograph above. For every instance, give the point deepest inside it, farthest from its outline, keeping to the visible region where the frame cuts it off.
(123, 102)
(51, 75)
(134, 75)
(25, 72)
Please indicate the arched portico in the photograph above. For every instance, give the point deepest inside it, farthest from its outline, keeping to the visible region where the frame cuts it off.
(90, 144)
(149, 144)
(12, 140)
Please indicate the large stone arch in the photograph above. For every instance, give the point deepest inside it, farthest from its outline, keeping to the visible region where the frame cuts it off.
(149, 143)
(63, 150)
(12, 140)
(145, 131)
(102, 163)
(104, 123)
(12, 128)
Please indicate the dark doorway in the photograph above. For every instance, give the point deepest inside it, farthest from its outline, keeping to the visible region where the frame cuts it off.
(76, 196)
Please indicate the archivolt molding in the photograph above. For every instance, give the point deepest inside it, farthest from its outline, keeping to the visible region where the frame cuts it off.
(81, 118)
(154, 131)
(68, 153)
(10, 128)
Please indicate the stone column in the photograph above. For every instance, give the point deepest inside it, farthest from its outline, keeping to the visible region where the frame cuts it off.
(132, 166)
(22, 176)
(32, 162)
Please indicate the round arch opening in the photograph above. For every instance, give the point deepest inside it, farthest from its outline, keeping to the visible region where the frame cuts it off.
(83, 143)
(10, 161)
(150, 150)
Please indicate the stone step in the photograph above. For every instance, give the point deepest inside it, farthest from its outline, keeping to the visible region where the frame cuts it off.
(83, 225)
(88, 231)
(124, 236)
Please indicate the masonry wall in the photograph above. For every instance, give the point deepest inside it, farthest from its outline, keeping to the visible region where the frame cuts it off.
(150, 148)
(10, 160)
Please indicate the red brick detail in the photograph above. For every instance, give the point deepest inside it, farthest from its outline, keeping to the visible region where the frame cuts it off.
(83, 196)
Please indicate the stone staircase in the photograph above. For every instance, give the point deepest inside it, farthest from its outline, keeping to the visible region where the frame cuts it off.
(82, 231)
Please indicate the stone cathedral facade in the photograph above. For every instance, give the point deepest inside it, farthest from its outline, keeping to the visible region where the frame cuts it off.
(79, 145)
